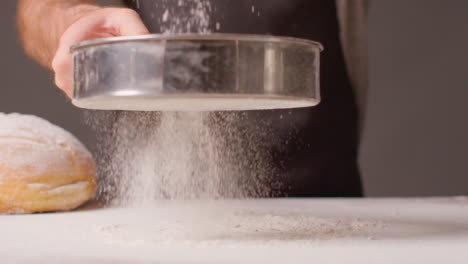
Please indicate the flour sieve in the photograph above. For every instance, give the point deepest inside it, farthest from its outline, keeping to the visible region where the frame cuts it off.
(213, 72)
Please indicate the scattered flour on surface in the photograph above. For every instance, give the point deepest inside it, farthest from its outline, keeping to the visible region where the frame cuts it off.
(227, 223)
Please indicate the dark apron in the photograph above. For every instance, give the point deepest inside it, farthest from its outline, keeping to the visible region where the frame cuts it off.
(318, 151)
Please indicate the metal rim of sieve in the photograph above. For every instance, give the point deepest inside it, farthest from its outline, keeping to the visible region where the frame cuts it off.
(206, 37)
(100, 75)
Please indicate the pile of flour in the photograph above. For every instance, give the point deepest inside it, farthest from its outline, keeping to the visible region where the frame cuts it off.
(147, 156)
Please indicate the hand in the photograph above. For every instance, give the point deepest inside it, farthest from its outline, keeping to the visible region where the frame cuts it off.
(92, 24)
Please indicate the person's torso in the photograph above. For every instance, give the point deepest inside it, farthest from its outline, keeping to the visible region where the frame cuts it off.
(315, 149)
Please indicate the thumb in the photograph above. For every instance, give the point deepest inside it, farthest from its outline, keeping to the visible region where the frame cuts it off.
(129, 23)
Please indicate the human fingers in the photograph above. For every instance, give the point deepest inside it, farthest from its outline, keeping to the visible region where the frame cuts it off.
(107, 22)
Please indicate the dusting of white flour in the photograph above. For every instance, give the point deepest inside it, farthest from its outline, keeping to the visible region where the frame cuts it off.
(221, 227)
(33, 146)
(248, 231)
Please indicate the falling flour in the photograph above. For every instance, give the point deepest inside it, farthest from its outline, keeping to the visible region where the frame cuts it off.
(188, 16)
(147, 156)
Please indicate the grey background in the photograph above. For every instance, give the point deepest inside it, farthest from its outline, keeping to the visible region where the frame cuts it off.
(415, 139)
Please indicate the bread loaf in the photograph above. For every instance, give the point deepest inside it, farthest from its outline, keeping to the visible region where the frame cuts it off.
(42, 167)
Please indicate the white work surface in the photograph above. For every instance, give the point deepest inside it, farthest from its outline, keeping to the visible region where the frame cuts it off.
(253, 231)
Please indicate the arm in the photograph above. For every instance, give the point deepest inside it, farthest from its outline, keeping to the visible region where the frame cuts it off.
(42, 23)
(49, 27)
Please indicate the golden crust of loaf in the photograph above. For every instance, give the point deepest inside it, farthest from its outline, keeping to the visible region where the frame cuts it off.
(42, 167)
